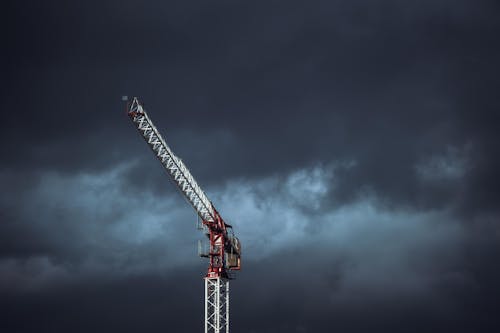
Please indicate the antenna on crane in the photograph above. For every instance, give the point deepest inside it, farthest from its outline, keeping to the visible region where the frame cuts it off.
(224, 251)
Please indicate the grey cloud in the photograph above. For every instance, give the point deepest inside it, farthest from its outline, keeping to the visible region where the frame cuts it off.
(352, 144)
(93, 225)
(452, 164)
(346, 258)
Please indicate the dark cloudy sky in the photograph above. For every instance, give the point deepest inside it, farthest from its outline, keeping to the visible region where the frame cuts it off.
(353, 145)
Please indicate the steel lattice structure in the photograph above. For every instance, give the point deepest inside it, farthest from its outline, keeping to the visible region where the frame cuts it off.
(224, 251)
(176, 168)
(216, 305)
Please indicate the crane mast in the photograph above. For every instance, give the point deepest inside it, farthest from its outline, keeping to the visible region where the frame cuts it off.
(225, 249)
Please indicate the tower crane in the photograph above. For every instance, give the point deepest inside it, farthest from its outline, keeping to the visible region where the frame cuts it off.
(224, 251)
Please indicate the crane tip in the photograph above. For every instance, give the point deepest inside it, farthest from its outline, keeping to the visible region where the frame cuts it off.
(135, 107)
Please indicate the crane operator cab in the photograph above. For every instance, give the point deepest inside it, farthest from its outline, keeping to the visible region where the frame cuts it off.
(233, 250)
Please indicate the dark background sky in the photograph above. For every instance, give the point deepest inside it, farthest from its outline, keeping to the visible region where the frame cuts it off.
(352, 144)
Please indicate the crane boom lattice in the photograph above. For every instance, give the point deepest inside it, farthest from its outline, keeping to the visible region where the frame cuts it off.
(224, 251)
(174, 166)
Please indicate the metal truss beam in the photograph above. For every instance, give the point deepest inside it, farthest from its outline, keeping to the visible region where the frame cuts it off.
(175, 167)
(216, 305)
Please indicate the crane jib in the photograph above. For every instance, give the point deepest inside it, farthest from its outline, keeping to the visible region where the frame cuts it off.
(174, 166)
(225, 248)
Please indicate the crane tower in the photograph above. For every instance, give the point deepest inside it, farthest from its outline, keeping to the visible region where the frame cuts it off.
(224, 252)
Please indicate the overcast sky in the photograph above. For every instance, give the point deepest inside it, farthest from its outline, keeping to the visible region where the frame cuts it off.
(353, 145)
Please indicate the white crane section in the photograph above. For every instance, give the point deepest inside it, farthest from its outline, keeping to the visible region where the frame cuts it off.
(216, 305)
(174, 166)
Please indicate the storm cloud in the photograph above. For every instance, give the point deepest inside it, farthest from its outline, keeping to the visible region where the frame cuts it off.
(353, 145)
